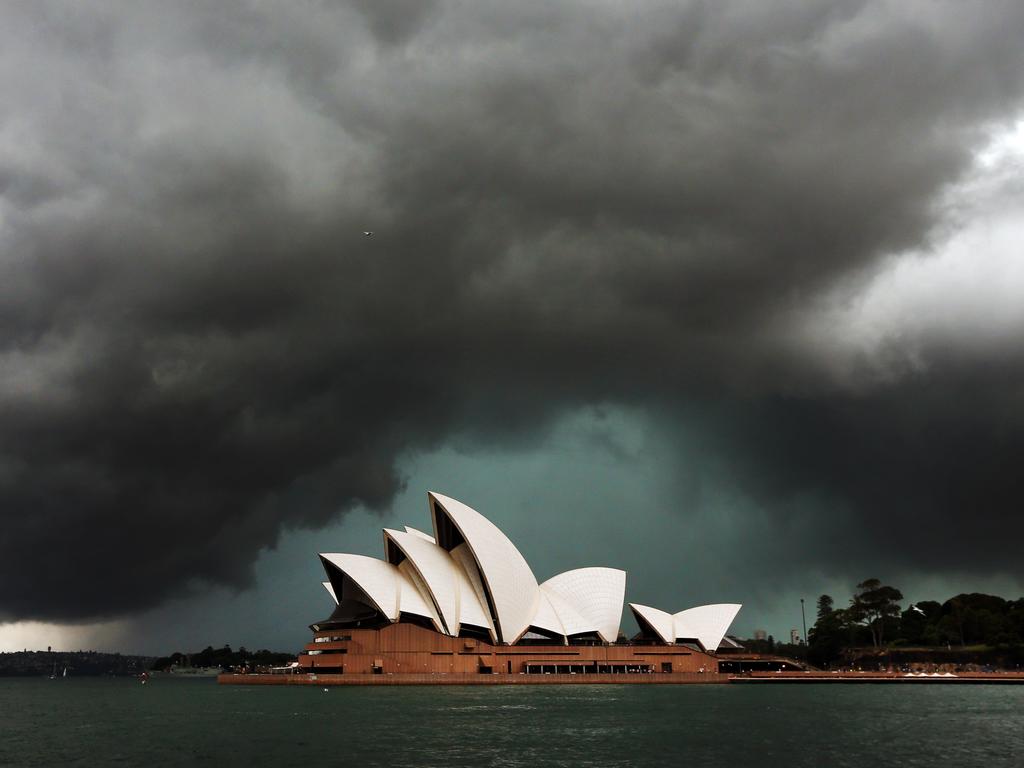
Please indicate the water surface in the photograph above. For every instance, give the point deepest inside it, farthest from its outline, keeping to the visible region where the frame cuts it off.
(87, 722)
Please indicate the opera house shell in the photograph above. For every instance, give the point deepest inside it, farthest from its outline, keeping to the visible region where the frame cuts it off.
(463, 600)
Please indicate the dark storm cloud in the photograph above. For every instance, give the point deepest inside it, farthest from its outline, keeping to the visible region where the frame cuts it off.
(570, 204)
(394, 21)
(919, 477)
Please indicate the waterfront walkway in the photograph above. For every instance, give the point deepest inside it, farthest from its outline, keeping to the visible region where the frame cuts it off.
(999, 678)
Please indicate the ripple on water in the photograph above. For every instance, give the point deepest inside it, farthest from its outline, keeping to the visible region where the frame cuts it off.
(106, 722)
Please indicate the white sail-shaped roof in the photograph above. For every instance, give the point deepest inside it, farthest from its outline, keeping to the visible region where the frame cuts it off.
(507, 576)
(435, 568)
(447, 583)
(546, 617)
(477, 613)
(391, 590)
(707, 623)
(330, 589)
(376, 578)
(573, 623)
(595, 594)
(471, 608)
(558, 615)
(657, 620)
(413, 596)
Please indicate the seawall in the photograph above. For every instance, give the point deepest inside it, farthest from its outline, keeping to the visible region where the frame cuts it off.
(755, 678)
(478, 679)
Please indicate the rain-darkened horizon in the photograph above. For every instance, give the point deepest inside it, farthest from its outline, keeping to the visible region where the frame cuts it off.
(728, 295)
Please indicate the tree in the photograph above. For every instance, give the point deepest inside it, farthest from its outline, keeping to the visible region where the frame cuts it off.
(825, 603)
(826, 639)
(872, 604)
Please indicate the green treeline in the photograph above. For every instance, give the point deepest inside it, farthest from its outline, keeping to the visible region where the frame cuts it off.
(225, 658)
(875, 618)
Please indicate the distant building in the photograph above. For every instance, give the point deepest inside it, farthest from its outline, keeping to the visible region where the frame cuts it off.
(760, 634)
(794, 636)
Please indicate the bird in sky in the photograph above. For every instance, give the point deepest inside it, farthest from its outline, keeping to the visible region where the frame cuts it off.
(915, 608)
(367, 234)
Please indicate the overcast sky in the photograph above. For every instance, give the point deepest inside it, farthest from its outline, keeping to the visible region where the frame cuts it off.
(727, 294)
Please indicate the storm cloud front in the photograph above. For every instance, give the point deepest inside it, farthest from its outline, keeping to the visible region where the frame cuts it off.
(788, 233)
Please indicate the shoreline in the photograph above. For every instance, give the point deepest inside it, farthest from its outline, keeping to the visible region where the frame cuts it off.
(762, 678)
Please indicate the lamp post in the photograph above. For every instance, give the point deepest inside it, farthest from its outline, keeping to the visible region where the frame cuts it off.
(803, 617)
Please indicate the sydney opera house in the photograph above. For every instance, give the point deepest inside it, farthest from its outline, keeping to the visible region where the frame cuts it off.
(463, 601)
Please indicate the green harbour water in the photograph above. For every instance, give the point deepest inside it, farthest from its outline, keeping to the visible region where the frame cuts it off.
(100, 722)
